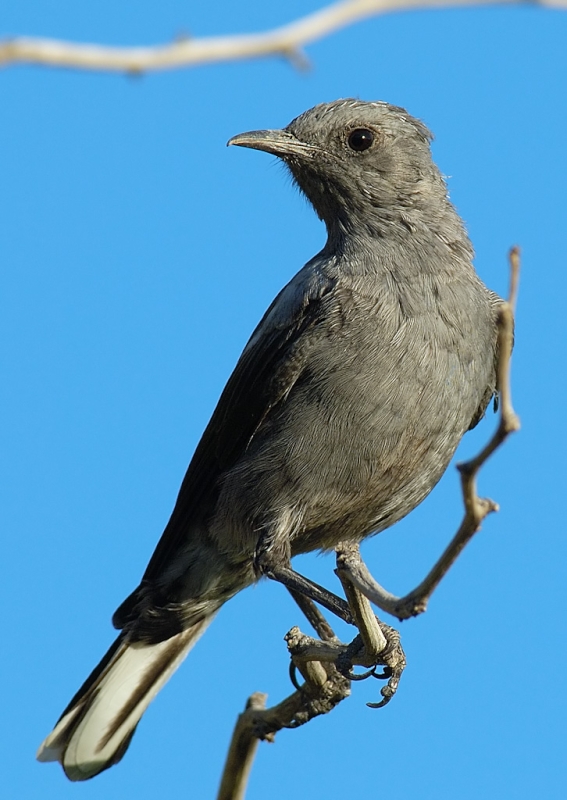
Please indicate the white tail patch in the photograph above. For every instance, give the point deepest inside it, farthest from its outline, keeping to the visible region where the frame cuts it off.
(94, 734)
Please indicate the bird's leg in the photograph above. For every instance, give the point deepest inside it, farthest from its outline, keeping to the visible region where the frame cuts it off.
(272, 558)
(351, 566)
(314, 617)
(296, 583)
(379, 642)
(376, 645)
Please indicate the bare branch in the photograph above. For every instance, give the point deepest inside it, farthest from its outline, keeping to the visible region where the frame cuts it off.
(349, 562)
(242, 750)
(287, 40)
(323, 689)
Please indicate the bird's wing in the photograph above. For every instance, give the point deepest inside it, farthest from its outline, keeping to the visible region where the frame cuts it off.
(264, 375)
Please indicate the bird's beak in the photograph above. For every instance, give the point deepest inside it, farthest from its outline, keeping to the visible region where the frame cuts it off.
(279, 143)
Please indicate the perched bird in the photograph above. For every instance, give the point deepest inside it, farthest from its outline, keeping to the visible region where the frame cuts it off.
(342, 413)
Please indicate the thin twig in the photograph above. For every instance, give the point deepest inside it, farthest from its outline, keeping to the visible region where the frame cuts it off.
(305, 648)
(287, 40)
(349, 561)
(241, 752)
(323, 689)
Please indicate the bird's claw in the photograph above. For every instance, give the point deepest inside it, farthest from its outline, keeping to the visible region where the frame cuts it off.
(392, 659)
(393, 675)
(353, 676)
(293, 675)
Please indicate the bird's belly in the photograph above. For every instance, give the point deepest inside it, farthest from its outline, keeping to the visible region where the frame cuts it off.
(365, 475)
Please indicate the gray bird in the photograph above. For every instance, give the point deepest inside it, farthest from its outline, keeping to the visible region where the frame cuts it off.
(341, 415)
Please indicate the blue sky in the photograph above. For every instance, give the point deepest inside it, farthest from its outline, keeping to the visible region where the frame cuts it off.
(138, 253)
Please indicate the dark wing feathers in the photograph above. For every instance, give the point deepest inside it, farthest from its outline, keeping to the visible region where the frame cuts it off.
(263, 376)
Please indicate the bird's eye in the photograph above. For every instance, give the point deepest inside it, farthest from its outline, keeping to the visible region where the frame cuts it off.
(360, 139)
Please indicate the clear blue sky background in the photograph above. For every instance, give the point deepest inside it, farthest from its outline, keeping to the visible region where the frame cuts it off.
(138, 253)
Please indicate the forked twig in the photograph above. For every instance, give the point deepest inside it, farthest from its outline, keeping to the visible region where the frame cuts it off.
(323, 689)
(325, 665)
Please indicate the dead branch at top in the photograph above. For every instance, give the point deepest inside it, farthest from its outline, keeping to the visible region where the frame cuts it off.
(285, 41)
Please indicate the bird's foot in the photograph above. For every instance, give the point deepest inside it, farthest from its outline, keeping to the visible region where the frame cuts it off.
(304, 649)
(392, 658)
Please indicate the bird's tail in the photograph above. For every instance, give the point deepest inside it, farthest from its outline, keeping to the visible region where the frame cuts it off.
(97, 726)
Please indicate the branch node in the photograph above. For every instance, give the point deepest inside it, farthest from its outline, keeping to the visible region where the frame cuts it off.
(298, 59)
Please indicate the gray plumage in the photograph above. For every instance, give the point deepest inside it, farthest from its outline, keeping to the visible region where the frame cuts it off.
(342, 413)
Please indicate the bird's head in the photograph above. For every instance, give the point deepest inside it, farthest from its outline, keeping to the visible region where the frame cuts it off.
(361, 164)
